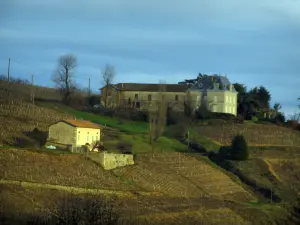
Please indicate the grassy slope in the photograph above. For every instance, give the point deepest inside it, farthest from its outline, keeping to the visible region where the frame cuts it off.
(136, 132)
(132, 131)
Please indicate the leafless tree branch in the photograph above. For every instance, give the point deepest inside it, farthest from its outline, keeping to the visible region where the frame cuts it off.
(63, 76)
(108, 74)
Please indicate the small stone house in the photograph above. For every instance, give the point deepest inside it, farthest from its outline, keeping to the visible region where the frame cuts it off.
(74, 133)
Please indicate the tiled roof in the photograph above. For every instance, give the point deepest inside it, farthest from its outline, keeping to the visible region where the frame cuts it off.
(150, 87)
(207, 82)
(82, 124)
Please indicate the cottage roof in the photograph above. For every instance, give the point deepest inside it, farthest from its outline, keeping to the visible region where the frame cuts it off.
(81, 123)
(149, 87)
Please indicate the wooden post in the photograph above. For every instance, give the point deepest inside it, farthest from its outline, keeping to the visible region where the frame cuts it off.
(188, 140)
(8, 75)
(32, 90)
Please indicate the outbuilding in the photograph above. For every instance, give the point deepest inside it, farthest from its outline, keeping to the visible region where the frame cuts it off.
(74, 133)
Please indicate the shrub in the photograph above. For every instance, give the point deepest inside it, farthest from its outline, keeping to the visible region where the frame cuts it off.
(177, 131)
(188, 111)
(202, 113)
(224, 152)
(254, 119)
(279, 119)
(293, 124)
(74, 210)
(131, 114)
(174, 117)
(87, 210)
(239, 148)
(93, 100)
(223, 116)
(124, 147)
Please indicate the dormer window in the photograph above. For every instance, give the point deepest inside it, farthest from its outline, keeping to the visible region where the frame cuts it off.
(200, 85)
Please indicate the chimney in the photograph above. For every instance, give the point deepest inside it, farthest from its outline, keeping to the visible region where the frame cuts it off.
(212, 78)
(230, 87)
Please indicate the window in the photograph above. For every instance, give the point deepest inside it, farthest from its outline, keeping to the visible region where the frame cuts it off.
(136, 96)
(176, 98)
(233, 99)
(229, 99)
(92, 138)
(87, 139)
(226, 98)
(149, 97)
(214, 108)
(137, 105)
(215, 98)
(226, 109)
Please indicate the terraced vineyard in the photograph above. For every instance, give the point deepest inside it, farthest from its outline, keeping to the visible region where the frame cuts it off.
(287, 170)
(255, 134)
(149, 209)
(18, 116)
(69, 170)
(179, 175)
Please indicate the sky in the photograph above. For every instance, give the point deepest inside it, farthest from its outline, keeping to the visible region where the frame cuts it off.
(252, 42)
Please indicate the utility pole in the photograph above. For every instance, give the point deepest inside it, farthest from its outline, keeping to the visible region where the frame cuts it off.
(271, 195)
(8, 70)
(89, 93)
(32, 90)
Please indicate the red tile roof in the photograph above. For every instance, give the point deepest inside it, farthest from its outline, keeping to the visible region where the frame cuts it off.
(82, 124)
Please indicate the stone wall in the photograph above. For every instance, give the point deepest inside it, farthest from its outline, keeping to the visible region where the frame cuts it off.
(111, 160)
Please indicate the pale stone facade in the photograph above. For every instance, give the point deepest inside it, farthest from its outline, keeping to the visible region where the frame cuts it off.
(215, 92)
(111, 160)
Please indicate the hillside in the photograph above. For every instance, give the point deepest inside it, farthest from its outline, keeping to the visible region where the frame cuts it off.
(167, 185)
(25, 91)
(177, 193)
(178, 174)
(18, 117)
(255, 134)
(276, 170)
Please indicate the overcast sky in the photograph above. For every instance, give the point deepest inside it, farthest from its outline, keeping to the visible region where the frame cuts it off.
(253, 42)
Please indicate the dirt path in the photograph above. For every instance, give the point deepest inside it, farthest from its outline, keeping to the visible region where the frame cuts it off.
(78, 190)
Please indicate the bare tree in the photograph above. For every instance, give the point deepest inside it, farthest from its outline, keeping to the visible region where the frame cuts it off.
(295, 116)
(158, 115)
(63, 76)
(108, 75)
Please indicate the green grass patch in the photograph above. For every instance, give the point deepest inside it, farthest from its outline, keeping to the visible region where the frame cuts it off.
(123, 125)
(140, 144)
(207, 143)
(6, 146)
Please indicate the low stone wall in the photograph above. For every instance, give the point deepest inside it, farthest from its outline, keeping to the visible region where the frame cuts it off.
(111, 160)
